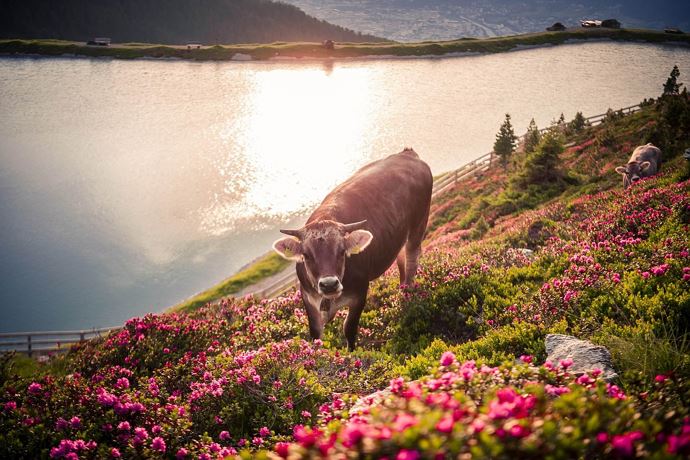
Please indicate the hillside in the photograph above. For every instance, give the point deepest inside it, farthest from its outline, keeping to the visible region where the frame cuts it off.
(167, 21)
(512, 255)
(417, 20)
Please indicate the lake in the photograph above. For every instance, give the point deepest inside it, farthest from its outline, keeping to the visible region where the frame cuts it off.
(127, 186)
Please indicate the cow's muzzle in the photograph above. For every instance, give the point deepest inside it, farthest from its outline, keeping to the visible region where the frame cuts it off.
(330, 287)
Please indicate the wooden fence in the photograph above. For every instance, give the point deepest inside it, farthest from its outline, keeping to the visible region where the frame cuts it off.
(58, 341)
(42, 343)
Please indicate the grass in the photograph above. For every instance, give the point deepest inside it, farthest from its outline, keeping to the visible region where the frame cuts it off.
(266, 266)
(342, 50)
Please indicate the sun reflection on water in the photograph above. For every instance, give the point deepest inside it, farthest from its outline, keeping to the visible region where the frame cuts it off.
(301, 133)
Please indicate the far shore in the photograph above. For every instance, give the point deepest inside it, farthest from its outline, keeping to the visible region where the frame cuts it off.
(288, 51)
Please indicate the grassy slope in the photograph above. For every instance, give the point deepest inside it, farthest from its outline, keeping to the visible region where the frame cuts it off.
(342, 50)
(477, 295)
(266, 266)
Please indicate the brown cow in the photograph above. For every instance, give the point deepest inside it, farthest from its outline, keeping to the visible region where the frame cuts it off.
(361, 227)
(644, 162)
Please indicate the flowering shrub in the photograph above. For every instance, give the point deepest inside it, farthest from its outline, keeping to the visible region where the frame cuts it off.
(464, 409)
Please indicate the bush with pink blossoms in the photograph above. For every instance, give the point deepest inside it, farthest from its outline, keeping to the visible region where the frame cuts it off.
(465, 409)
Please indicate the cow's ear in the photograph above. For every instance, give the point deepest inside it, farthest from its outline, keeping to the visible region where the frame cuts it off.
(621, 170)
(290, 248)
(357, 241)
(644, 165)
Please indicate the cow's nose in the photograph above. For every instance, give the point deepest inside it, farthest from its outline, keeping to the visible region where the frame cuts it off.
(635, 178)
(329, 284)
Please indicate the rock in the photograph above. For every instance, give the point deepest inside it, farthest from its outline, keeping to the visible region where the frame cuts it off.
(366, 402)
(585, 355)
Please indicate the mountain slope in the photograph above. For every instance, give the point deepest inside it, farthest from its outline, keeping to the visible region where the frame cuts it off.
(415, 20)
(167, 21)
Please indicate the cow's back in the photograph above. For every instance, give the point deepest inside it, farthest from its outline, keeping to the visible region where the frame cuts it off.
(393, 195)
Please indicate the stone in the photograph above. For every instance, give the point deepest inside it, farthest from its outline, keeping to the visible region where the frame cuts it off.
(585, 355)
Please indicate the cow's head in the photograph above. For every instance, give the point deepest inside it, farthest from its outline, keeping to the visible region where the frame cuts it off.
(632, 172)
(323, 247)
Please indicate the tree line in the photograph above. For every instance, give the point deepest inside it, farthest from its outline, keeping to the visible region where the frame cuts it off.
(167, 21)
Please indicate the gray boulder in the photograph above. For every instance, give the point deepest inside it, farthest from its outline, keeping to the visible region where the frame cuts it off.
(585, 355)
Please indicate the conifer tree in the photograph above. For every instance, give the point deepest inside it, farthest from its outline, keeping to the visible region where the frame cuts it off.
(672, 87)
(578, 123)
(505, 141)
(532, 137)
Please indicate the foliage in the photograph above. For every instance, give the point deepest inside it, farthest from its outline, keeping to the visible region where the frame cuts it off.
(505, 141)
(532, 137)
(672, 87)
(266, 266)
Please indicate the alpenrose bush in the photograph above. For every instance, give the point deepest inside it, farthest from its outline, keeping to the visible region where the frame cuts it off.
(206, 404)
(466, 410)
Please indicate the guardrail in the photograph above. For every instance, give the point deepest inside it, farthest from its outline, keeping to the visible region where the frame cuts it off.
(43, 342)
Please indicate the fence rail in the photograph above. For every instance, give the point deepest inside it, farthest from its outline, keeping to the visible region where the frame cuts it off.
(43, 342)
(55, 339)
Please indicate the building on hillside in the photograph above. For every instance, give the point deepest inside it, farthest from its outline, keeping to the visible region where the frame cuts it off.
(556, 27)
(611, 23)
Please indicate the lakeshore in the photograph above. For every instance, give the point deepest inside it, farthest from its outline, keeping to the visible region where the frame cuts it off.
(303, 50)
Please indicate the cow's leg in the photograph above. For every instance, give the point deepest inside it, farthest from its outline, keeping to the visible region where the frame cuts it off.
(352, 321)
(413, 249)
(401, 264)
(311, 305)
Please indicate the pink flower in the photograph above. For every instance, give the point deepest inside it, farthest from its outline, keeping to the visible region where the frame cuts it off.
(35, 388)
(10, 406)
(123, 426)
(407, 454)
(115, 453)
(624, 443)
(527, 359)
(75, 422)
(447, 358)
(306, 414)
(264, 431)
(282, 449)
(224, 435)
(403, 421)
(158, 444)
(181, 453)
(445, 425)
(661, 378)
(566, 363)
(602, 437)
(61, 424)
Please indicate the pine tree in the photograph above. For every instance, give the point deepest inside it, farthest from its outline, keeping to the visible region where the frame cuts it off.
(578, 123)
(672, 87)
(532, 137)
(505, 141)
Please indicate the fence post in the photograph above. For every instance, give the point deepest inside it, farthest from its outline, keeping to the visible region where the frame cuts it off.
(81, 336)
(28, 344)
